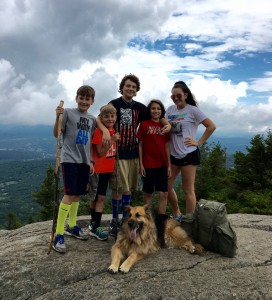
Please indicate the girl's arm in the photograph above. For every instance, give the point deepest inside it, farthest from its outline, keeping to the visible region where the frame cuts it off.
(167, 126)
(167, 150)
(210, 128)
(142, 169)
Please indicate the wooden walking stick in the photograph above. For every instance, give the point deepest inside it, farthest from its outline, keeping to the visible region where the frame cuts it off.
(117, 183)
(56, 175)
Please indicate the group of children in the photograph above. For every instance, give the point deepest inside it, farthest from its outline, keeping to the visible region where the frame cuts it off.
(89, 159)
(125, 139)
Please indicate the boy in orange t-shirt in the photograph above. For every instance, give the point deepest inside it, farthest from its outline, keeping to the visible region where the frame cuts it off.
(104, 161)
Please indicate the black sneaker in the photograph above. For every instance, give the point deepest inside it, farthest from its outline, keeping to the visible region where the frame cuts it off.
(114, 227)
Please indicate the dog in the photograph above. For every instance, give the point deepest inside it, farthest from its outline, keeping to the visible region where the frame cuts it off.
(138, 238)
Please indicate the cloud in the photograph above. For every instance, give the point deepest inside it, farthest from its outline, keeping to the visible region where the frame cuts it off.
(222, 49)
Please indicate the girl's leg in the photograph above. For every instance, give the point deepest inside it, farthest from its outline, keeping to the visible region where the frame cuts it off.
(172, 196)
(162, 203)
(188, 187)
(148, 199)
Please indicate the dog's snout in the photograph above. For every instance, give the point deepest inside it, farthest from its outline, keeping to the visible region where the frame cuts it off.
(131, 223)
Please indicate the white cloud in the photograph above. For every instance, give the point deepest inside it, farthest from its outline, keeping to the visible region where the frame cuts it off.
(49, 48)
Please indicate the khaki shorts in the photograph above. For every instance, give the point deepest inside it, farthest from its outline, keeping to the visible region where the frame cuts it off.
(127, 176)
(92, 187)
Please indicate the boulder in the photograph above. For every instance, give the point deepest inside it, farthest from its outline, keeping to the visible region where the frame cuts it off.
(28, 272)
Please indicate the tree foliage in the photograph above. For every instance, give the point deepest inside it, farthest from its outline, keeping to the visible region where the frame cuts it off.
(45, 195)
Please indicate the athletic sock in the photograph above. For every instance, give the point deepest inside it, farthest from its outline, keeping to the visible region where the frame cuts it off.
(97, 220)
(62, 216)
(92, 212)
(115, 208)
(73, 214)
(125, 202)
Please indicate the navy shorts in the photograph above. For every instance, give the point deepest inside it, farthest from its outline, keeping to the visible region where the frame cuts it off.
(192, 158)
(103, 182)
(156, 180)
(75, 178)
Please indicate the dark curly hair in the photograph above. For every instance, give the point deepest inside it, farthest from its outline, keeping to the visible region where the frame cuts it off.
(131, 77)
(190, 97)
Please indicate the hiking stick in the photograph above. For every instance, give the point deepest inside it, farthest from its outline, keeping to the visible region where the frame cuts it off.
(117, 185)
(56, 175)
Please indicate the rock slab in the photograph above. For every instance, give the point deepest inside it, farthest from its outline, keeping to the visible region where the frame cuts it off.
(27, 272)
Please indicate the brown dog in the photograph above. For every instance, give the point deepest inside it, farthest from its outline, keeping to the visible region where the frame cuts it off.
(138, 238)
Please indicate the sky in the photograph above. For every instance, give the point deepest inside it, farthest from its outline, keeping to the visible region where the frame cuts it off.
(221, 49)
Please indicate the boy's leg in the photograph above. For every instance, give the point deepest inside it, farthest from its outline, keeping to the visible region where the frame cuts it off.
(62, 216)
(126, 201)
(73, 212)
(59, 244)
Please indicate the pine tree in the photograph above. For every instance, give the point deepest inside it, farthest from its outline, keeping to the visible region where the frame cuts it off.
(45, 196)
(13, 221)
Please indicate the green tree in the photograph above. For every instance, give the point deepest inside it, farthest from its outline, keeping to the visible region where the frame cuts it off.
(251, 169)
(211, 175)
(13, 221)
(45, 196)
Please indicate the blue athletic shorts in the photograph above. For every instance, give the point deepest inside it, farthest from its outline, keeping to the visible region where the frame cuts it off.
(75, 178)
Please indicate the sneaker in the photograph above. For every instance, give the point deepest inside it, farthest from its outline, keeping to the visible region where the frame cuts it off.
(179, 218)
(91, 226)
(99, 234)
(114, 227)
(58, 244)
(76, 232)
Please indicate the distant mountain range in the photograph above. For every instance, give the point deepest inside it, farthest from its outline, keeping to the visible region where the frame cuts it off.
(38, 142)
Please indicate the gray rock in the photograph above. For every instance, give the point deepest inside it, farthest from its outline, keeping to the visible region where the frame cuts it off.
(27, 272)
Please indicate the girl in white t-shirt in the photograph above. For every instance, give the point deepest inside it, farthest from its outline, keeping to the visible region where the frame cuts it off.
(184, 117)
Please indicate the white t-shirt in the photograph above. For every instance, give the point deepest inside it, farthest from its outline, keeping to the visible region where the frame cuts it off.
(184, 124)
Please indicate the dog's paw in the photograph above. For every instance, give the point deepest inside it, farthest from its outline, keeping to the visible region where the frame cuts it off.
(192, 250)
(112, 269)
(124, 269)
(199, 249)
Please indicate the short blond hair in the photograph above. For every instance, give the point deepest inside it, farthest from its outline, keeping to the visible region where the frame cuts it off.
(107, 109)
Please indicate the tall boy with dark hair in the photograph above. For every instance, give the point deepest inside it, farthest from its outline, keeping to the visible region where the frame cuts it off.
(129, 114)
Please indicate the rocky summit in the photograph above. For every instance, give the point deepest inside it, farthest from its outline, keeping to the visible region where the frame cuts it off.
(28, 272)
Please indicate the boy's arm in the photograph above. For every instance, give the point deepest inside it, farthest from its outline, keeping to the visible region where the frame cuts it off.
(59, 111)
(167, 126)
(106, 138)
(102, 149)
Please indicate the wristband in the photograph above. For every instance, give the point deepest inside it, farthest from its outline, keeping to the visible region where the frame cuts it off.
(92, 161)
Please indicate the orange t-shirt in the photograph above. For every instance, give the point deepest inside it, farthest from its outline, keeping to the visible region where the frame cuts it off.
(103, 164)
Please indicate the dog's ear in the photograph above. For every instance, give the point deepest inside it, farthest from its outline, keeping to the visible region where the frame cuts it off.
(126, 208)
(147, 209)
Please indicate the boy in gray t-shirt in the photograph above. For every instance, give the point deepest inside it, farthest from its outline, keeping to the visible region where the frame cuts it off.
(76, 162)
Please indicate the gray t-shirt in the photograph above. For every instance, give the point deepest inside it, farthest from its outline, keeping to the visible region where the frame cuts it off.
(77, 130)
(184, 123)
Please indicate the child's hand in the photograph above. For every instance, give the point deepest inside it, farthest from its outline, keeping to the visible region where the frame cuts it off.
(106, 138)
(59, 111)
(169, 173)
(115, 137)
(166, 128)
